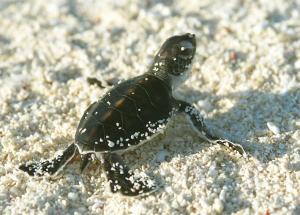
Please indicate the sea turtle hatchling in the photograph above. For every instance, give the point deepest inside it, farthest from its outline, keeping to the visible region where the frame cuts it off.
(132, 113)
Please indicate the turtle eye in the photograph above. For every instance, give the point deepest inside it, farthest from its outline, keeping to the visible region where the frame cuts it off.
(186, 48)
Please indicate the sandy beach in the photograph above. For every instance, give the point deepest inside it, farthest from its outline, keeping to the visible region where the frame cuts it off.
(245, 83)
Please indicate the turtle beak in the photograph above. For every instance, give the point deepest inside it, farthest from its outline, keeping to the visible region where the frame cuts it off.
(192, 38)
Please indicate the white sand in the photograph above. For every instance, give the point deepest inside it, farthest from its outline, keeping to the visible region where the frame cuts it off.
(245, 82)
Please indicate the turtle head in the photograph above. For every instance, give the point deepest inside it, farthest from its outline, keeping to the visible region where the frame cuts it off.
(175, 57)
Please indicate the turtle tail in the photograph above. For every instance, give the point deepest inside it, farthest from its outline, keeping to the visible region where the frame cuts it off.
(51, 167)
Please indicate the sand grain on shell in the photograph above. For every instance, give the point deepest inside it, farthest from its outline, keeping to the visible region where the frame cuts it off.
(245, 82)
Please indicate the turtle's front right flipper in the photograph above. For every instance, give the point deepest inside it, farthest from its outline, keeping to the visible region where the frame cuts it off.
(197, 123)
(122, 179)
(50, 166)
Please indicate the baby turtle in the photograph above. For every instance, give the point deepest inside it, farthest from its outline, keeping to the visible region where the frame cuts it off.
(132, 113)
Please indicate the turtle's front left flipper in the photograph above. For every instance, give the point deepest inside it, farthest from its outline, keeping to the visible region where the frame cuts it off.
(50, 166)
(122, 179)
(102, 84)
(197, 123)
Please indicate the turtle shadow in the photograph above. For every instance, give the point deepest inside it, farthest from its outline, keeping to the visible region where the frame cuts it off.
(251, 106)
(296, 210)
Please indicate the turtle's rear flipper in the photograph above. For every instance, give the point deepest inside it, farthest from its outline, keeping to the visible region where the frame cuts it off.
(85, 161)
(50, 166)
(124, 180)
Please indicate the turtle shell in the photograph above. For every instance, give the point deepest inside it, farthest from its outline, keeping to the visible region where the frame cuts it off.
(129, 113)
